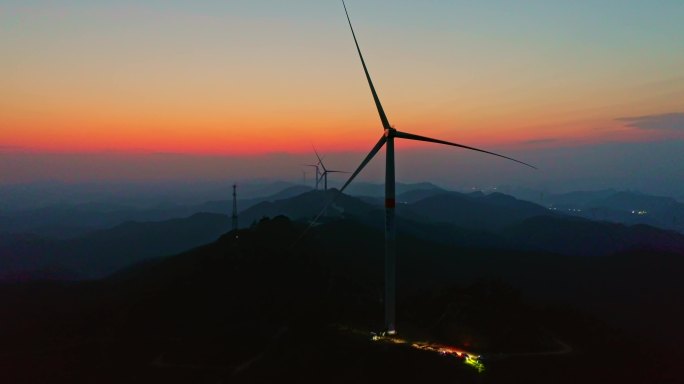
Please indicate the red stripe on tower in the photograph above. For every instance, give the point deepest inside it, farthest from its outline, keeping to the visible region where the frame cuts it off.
(390, 203)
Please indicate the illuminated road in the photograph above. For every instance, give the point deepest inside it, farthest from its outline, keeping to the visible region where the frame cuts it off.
(471, 359)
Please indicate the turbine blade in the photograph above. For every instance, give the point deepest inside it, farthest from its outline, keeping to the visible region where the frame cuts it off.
(381, 111)
(320, 161)
(411, 136)
(365, 161)
(316, 152)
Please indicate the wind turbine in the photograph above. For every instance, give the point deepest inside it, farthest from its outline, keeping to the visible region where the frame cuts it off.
(234, 217)
(324, 175)
(387, 140)
(317, 177)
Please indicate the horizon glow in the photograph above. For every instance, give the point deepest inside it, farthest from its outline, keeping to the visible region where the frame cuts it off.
(247, 78)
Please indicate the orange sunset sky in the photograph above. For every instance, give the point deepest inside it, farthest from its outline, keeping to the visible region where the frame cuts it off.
(268, 76)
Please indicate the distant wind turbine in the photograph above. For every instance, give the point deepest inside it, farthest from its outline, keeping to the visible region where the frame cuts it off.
(316, 176)
(324, 175)
(387, 140)
(234, 217)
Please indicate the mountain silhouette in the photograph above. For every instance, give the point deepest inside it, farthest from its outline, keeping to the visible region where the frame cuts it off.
(67, 221)
(101, 253)
(257, 309)
(476, 211)
(582, 237)
(625, 207)
(477, 221)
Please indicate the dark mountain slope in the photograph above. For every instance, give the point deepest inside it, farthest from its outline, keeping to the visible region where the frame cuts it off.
(576, 236)
(625, 207)
(378, 190)
(75, 220)
(258, 310)
(472, 221)
(307, 206)
(251, 311)
(103, 252)
(489, 212)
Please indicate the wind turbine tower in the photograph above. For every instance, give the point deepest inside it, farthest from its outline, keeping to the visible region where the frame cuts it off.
(387, 141)
(235, 215)
(324, 174)
(317, 175)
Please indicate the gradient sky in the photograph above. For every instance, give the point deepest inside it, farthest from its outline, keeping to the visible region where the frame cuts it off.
(257, 77)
